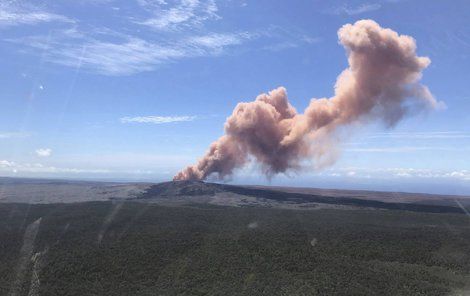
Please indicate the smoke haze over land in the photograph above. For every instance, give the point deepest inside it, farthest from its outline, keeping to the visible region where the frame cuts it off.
(380, 84)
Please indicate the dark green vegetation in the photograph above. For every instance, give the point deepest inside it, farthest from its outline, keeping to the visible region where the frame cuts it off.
(148, 249)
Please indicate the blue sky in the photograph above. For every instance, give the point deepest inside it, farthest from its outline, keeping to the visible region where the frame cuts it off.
(138, 89)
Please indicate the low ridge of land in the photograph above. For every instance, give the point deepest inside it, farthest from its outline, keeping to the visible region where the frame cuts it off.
(35, 191)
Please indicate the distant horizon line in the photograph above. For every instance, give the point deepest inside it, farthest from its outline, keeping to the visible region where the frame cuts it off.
(124, 180)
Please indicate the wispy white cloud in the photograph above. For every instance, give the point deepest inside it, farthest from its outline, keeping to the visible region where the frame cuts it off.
(345, 9)
(387, 173)
(429, 173)
(107, 165)
(184, 13)
(116, 52)
(422, 135)
(129, 55)
(94, 2)
(43, 152)
(157, 119)
(12, 14)
(279, 46)
(10, 135)
(283, 38)
(15, 167)
(409, 142)
(216, 42)
(405, 149)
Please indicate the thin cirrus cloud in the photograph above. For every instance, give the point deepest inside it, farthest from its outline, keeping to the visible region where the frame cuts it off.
(186, 13)
(415, 142)
(422, 135)
(7, 166)
(405, 149)
(347, 10)
(11, 135)
(109, 52)
(129, 56)
(378, 173)
(12, 14)
(142, 43)
(215, 41)
(157, 119)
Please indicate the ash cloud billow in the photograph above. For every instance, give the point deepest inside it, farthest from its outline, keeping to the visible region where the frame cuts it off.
(380, 84)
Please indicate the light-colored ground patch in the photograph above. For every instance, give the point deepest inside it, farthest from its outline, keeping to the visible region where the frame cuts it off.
(237, 200)
(68, 192)
(24, 260)
(35, 283)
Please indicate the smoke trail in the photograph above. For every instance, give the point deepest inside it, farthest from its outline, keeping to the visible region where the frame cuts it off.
(381, 83)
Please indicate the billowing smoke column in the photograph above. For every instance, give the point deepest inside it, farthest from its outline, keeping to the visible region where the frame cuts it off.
(381, 83)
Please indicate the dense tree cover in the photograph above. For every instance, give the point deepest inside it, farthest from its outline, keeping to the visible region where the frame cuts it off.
(104, 248)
